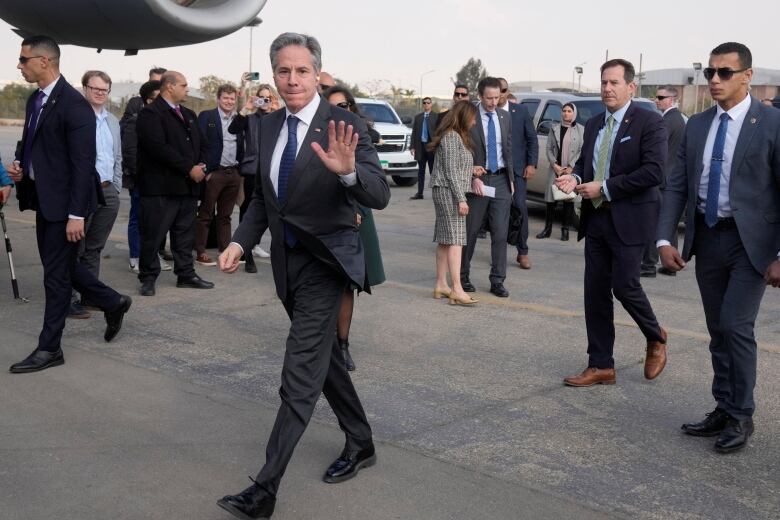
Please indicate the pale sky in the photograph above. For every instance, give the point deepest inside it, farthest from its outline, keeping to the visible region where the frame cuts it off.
(399, 40)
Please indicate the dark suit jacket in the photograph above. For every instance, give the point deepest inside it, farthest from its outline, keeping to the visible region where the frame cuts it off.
(211, 129)
(62, 157)
(130, 141)
(635, 172)
(168, 148)
(417, 144)
(318, 208)
(675, 128)
(525, 145)
(754, 185)
(479, 151)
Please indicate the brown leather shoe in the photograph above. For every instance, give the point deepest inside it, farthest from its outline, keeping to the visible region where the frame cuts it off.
(524, 261)
(592, 376)
(655, 360)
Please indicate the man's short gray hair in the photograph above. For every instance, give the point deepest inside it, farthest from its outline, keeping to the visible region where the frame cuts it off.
(670, 89)
(303, 40)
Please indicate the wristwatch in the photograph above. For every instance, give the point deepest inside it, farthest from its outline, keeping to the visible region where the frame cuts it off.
(601, 190)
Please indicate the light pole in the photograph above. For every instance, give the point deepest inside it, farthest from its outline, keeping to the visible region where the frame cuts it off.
(696, 72)
(254, 23)
(420, 95)
(577, 70)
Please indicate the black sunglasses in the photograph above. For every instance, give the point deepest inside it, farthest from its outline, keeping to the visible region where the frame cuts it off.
(426, 102)
(344, 104)
(503, 90)
(25, 59)
(460, 94)
(724, 73)
(661, 98)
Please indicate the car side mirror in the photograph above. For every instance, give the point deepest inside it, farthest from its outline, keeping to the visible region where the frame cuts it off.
(544, 127)
(407, 120)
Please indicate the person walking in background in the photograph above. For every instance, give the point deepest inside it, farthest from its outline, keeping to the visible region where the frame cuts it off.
(450, 181)
(618, 173)
(666, 102)
(171, 155)
(147, 93)
(5, 184)
(97, 86)
(525, 154)
(247, 122)
(564, 144)
(422, 132)
(375, 271)
(727, 181)
(223, 181)
(55, 176)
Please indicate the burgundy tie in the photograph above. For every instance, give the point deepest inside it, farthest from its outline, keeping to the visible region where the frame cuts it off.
(177, 109)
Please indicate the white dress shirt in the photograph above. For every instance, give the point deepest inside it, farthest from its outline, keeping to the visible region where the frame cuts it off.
(229, 141)
(499, 149)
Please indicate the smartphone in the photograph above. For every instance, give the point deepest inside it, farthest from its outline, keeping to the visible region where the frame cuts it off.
(252, 76)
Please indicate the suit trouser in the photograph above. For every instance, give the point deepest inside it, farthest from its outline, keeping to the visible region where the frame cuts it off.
(61, 274)
(98, 227)
(731, 292)
(497, 212)
(158, 215)
(520, 203)
(612, 267)
(133, 235)
(425, 160)
(221, 190)
(313, 364)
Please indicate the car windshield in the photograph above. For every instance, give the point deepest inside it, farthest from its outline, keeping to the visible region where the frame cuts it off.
(379, 113)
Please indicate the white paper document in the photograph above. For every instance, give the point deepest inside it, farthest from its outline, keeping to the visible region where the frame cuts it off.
(489, 191)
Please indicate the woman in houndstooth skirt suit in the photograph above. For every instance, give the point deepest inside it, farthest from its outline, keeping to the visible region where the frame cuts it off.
(450, 180)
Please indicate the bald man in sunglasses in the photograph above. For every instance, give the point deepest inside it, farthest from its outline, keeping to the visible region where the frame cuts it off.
(728, 174)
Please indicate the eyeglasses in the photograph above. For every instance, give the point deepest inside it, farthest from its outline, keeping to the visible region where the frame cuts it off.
(661, 98)
(504, 90)
(426, 102)
(724, 73)
(460, 94)
(25, 59)
(344, 104)
(96, 90)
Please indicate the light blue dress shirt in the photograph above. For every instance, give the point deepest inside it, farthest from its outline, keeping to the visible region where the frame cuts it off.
(105, 148)
(618, 116)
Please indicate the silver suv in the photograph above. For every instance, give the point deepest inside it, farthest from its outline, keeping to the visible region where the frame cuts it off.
(545, 111)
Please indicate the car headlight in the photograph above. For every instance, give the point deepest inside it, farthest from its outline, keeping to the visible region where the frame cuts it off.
(407, 141)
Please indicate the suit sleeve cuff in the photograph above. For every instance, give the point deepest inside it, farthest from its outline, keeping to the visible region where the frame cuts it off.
(662, 243)
(606, 191)
(349, 179)
(239, 246)
(74, 217)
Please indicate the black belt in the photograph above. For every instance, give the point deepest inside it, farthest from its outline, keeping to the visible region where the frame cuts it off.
(105, 184)
(500, 171)
(722, 223)
(226, 168)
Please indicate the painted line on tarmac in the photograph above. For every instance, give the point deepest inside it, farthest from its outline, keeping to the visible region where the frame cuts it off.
(563, 313)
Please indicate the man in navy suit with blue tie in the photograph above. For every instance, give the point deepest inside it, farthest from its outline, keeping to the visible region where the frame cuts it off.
(728, 175)
(618, 174)
(55, 175)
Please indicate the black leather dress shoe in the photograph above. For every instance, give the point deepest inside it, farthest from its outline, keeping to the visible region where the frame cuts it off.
(734, 436)
(147, 288)
(711, 426)
(194, 282)
(77, 312)
(667, 272)
(114, 318)
(348, 464)
(416, 196)
(250, 504)
(499, 290)
(37, 361)
(647, 274)
(250, 266)
(467, 285)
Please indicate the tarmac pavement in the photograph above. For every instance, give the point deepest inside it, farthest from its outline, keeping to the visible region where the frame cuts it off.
(467, 405)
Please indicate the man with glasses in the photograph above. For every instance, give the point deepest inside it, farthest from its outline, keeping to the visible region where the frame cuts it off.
(422, 133)
(55, 175)
(666, 102)
(525, 153)
(728, 175)
(97, 86)
(461, 93)
(326, 81)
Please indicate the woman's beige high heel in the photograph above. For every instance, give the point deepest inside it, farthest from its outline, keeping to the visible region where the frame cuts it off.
(466, 301)
(441, 294)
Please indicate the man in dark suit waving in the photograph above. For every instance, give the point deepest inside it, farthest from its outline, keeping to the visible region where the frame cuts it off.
(55, 175)
(618, 173)
(728, 175)
(316, 162)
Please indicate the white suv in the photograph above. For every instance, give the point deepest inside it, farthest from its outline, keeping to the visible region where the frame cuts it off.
(393, 147)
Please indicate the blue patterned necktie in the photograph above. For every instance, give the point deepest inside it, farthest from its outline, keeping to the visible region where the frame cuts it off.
(36, 110)
(491, 145)
(286, 168)
(716, 169)
(425, 136)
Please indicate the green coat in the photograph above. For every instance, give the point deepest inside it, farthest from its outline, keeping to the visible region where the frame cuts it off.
(375, 271)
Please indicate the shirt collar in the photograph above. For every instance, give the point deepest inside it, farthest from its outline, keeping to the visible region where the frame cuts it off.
(482, 110)
(668, 109)
(102, 115)
(306, 114)
(169, 103)
(737, 111)
(225, 115)
(619, 114)
(47, 91)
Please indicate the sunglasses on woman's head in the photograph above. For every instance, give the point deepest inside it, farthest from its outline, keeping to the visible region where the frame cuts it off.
(345, 105)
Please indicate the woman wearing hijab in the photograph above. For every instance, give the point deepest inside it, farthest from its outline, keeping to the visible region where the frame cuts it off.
(564, 144)
(375, 271)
